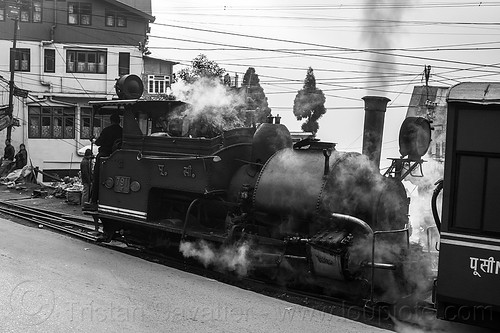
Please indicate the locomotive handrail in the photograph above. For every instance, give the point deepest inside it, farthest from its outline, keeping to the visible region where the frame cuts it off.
(184, 228)
(439, 187)
(375, 234)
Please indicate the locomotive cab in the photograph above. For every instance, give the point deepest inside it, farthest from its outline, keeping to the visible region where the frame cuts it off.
(162, 166)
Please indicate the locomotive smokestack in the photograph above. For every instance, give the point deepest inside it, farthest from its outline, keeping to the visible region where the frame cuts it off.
(375, 107)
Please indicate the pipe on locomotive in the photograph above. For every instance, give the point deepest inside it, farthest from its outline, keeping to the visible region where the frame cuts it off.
(375, 107)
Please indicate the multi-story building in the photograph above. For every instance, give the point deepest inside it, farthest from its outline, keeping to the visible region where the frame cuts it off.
(430, 102)
(66, 54)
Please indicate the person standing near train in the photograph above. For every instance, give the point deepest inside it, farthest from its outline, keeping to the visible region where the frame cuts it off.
(106, 141)
(86, 174)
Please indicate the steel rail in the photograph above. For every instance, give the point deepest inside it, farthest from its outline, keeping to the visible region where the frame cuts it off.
(51, 213)
(32, 215)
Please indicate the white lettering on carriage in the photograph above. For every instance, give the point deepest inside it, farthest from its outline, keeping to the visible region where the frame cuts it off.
(489, 266)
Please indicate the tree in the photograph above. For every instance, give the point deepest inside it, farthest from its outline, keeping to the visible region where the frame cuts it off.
(254, 96)
(201, 67)
(309, 104)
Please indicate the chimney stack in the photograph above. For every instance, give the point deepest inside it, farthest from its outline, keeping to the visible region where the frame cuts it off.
(375, 107)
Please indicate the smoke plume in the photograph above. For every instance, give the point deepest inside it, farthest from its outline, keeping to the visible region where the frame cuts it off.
(381, 21)
(233, 258)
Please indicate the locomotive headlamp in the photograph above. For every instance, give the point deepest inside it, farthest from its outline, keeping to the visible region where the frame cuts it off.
(109, 182)
(135, 186)
(129, 86)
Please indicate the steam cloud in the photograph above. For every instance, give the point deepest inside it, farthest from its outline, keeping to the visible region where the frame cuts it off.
(212, 102)
(227, 258)
(420, 190)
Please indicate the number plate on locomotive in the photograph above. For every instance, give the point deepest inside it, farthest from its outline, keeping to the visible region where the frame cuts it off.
(122, 184)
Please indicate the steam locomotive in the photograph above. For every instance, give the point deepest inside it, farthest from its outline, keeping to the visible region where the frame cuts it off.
(302, 209)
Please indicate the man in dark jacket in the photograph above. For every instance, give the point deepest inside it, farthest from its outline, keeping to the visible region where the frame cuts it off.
(107, 139)
(109, 136)
(7, 159)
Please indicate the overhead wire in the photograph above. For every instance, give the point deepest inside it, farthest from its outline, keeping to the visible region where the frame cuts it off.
(307, 54)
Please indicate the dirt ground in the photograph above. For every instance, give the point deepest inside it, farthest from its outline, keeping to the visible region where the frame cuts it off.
(41, 197)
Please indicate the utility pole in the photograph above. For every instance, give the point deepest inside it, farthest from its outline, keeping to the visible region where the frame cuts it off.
(14, 13)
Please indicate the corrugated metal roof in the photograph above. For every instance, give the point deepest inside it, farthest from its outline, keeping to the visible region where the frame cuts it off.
(475, 92)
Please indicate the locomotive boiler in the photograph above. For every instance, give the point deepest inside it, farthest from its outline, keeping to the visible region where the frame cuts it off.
(304, 209)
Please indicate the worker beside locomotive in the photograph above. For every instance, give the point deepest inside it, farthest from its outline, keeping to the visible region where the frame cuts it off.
(107, 140)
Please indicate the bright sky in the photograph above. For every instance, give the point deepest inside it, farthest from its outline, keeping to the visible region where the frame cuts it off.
(355, 47)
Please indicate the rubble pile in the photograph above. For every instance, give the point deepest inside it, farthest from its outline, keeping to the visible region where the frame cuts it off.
(19, 176)
(68, 188)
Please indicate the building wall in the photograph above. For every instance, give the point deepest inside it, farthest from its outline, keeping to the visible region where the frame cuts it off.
(430, 103)
(54, 26)
(76, 88)
(69, 89)
(40, 82)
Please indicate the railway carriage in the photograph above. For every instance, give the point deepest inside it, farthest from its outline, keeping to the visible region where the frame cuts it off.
(468, 284)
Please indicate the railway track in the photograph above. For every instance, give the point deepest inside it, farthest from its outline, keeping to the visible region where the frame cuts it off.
(378, 315)
(68, 224)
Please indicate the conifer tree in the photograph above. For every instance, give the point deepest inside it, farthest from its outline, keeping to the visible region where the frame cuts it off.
(254, 95)
(309, 104)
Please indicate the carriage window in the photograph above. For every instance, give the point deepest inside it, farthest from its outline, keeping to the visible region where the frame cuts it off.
(478, 194)
(492, 196)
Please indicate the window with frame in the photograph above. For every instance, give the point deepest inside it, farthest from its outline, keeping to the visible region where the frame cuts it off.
(2, 11)
(36, 11)
(30, 11)
(100, 122)
(158, 84)
(123, 63)
(79, 13)
(49, 62)
(20, 59)
(114, 19)
(109, 18)
(81, 61)
(51, 122)
(121, 21)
